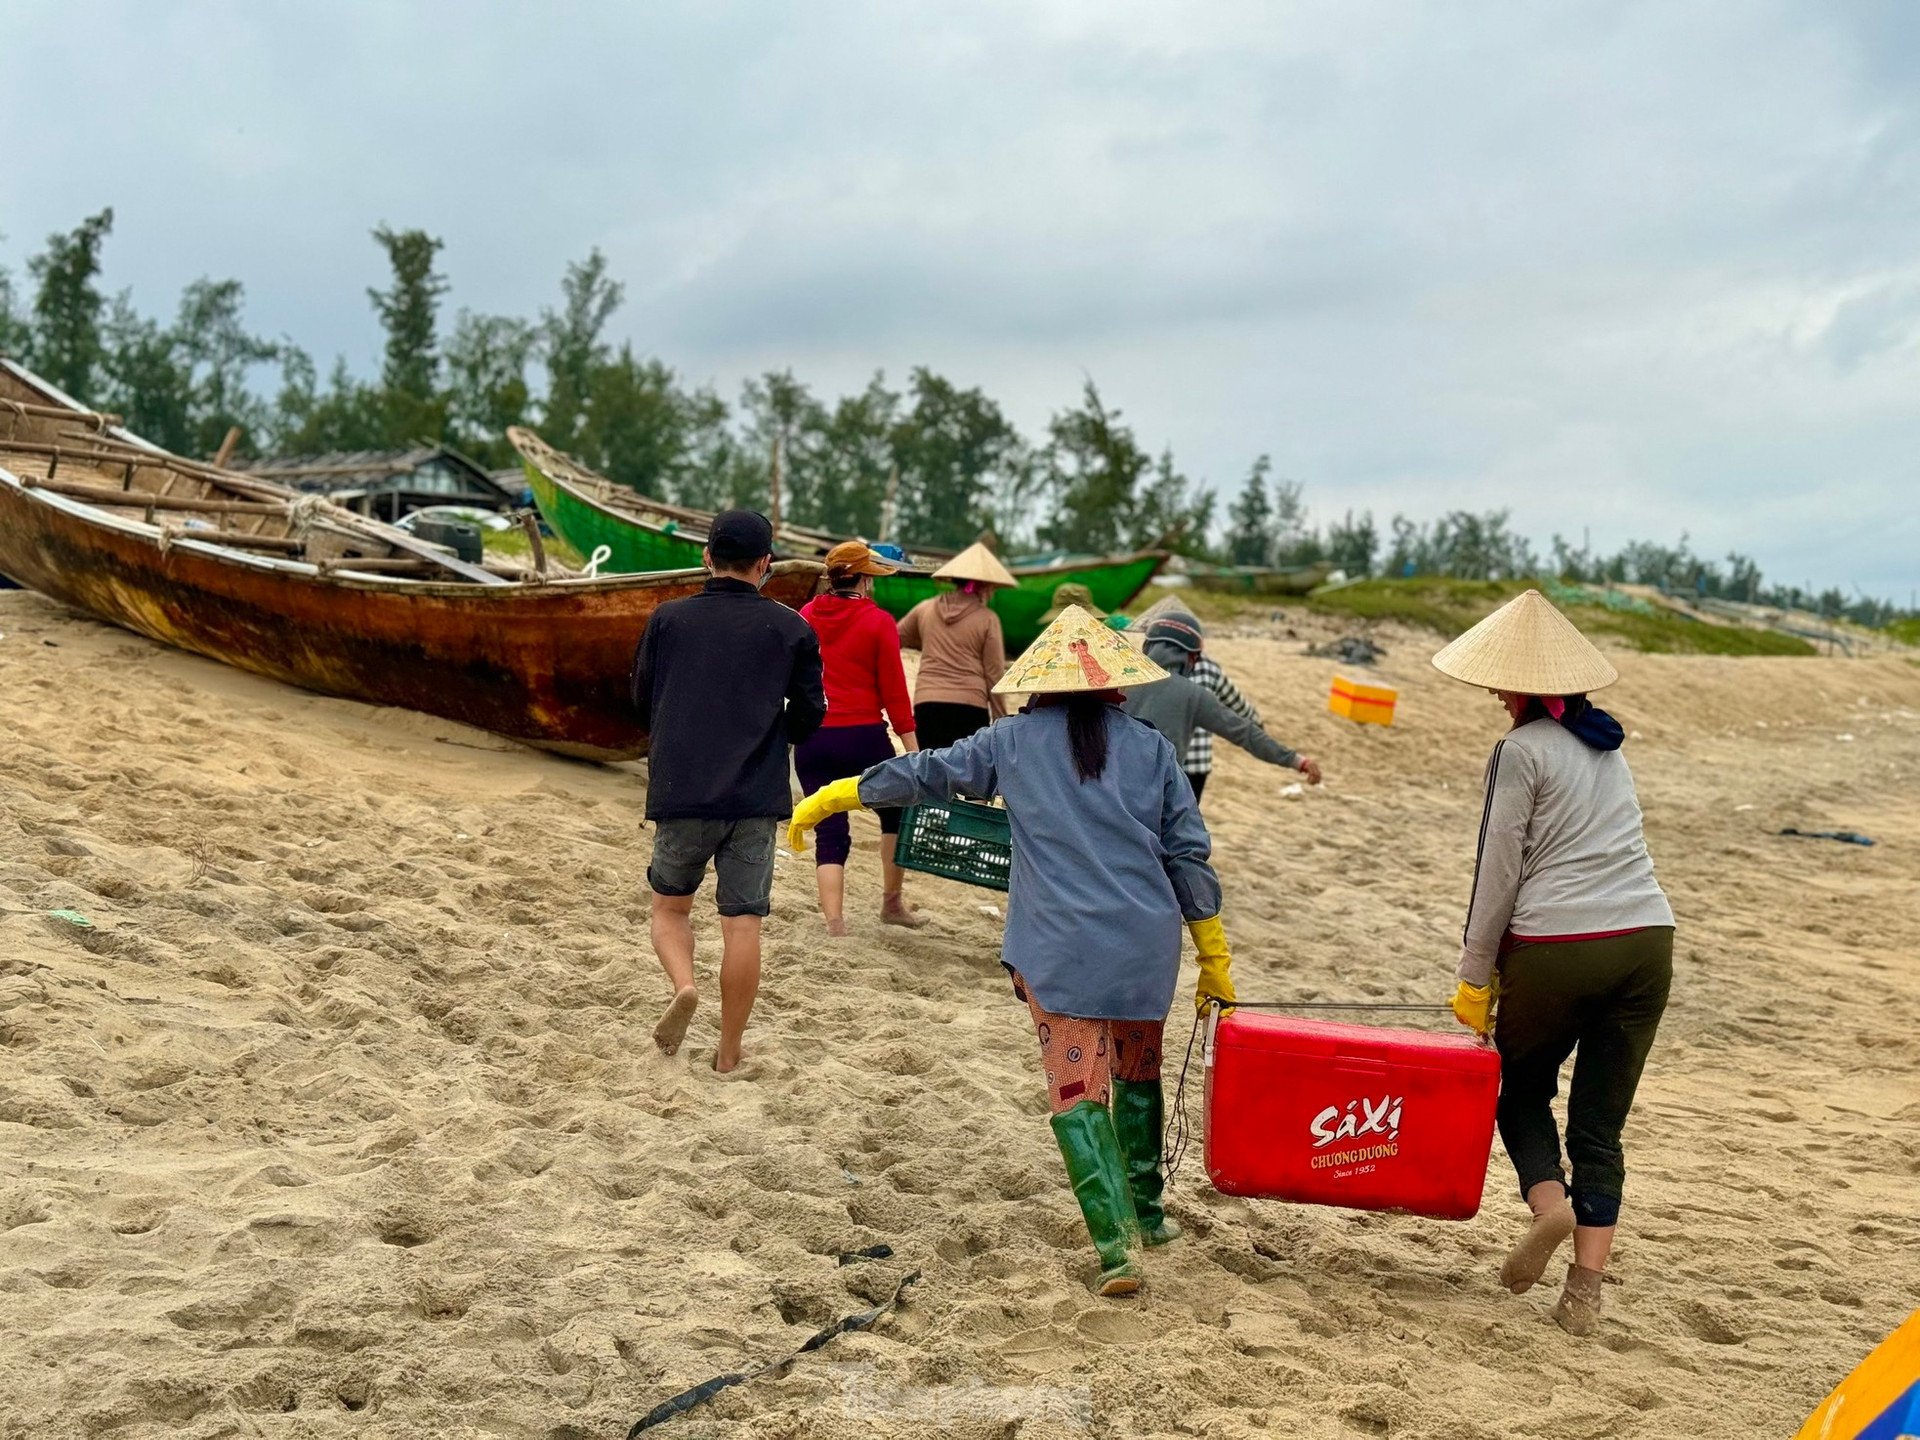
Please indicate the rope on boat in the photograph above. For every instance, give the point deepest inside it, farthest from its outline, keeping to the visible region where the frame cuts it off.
(601, 555)
(304, 510)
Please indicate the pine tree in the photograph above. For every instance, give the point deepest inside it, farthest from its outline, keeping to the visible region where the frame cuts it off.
(486, 361)
(572, 345)
(1250, 539)
(409, 312)
(1094, 467)
(14, 334)
(1352, 544)
(67, 345)
(963, 466)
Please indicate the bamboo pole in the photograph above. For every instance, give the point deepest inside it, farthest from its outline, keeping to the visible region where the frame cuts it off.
(377, 565)
(27, 409)
(236, 541)
(150, 499)
(225, 452)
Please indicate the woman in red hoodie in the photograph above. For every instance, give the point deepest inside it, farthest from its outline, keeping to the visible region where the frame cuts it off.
(860, 648)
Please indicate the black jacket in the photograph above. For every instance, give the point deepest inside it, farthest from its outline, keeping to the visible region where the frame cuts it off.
(725, 681)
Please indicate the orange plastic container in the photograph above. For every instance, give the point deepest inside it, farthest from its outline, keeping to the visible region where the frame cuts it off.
(1367, 704)
(1324, 1113)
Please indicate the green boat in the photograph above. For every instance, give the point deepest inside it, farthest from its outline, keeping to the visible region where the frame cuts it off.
(640, 534)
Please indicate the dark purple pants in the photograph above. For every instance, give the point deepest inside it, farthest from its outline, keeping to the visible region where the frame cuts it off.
(833, 752)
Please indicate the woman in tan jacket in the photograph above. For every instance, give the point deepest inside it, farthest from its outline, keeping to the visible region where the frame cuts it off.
(962, 653)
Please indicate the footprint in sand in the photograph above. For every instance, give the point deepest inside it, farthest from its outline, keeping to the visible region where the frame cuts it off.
(137, 1217)
(1116, 1327)
(1715, 1324)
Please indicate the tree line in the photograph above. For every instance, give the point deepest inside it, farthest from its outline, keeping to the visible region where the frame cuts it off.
(1268, 525)
(947, 455)
(952, 461)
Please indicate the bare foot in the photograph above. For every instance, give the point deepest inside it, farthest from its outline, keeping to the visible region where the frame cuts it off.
(723, 1062)
(672, 1028)
(1527, 1261)
(836, 927)
(894, 911)
(1579, 1309)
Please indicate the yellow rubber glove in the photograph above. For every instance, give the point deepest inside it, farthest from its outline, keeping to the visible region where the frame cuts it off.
(1473, 1007)
(830, 799)
(1216, 963)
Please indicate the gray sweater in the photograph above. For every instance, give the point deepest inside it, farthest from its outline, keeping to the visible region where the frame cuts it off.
(1561, 851)
(1176, 707)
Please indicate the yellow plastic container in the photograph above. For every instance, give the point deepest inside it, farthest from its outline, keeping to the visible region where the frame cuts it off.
(1365, 704)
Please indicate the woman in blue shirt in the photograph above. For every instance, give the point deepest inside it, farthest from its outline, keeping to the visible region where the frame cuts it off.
(1109, 858)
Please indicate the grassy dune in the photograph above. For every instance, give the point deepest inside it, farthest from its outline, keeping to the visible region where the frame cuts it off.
(513, 544)
(1450, 606)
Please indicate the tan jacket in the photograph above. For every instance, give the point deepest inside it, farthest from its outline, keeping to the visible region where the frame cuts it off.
(962, 654)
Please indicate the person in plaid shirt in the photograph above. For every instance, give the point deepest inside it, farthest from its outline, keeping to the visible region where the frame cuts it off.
(1206, 673)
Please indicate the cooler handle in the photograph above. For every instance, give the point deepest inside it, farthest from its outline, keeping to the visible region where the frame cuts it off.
(1360, 1064)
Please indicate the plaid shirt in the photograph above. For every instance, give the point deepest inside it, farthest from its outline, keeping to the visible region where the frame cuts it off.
(1206, 672)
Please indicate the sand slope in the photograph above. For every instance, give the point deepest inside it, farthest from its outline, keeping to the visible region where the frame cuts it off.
(343, 1119)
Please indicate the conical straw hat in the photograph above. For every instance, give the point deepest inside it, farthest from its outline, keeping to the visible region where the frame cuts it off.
(1528, 647)
(976, 562)
(1171, 603)
(1072, 593)
(1077, 652)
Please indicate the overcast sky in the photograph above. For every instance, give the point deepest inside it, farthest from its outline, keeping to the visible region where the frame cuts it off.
(1640, 267)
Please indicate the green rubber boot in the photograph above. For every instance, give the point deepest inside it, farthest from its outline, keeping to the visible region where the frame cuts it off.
(1092, 1152)
(1139, 1119)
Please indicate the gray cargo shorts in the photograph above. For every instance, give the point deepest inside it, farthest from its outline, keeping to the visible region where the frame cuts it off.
(742, 856)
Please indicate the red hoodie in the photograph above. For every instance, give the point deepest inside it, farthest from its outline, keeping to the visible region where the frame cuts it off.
(860, 648)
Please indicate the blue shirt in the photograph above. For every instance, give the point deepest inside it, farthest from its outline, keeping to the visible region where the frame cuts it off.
(1104, 872)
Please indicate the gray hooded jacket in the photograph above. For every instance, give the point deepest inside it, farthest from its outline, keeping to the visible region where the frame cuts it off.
(1177, 707)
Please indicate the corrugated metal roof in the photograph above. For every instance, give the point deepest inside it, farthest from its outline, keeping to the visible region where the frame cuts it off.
(374, 469)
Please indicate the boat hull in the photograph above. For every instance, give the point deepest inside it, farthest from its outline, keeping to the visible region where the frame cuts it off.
(1253, 580)
(637, 547)
(544, 664)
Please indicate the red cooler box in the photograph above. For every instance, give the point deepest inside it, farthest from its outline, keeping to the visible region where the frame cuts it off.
(1353, 1115)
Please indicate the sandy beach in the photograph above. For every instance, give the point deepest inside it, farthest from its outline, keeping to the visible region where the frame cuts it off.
(342, 1117)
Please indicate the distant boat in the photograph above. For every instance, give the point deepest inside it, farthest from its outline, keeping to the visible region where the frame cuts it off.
(640, 534)
(290, 586)
(1259, 579)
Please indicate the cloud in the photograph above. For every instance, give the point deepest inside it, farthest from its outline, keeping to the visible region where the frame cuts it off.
(1643, 267)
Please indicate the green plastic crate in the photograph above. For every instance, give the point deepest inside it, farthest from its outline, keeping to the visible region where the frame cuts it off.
(959, 839)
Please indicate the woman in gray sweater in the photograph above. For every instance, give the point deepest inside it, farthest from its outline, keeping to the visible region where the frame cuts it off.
(1568, 927)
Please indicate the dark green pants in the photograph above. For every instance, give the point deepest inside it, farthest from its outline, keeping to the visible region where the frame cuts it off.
(1599, 1001)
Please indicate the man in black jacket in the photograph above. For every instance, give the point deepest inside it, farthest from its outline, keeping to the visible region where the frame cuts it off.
(726, 681)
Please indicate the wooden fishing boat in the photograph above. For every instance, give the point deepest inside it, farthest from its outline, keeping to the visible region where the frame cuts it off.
(1260, 579)
(640, 534)
(289, 586)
